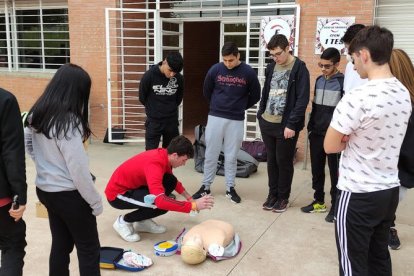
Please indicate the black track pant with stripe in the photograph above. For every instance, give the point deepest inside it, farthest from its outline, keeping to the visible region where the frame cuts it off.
(362, 225)
(134, 199)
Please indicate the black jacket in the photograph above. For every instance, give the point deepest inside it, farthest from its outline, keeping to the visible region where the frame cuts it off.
(12, 158)
(297, 97)
(328, 92)
(160, 95)
(406, 161)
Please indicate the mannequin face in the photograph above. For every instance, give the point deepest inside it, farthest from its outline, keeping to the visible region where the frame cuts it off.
(192, 251)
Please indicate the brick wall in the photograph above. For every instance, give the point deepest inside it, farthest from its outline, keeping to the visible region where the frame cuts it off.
(87, 46)
(362, 10)
(27, 87)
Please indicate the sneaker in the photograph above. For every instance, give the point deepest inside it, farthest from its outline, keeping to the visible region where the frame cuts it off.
(234, 197)
(270, 201)
(125, 230)
(393, 240)
(173, 196)
(330, 217)
(314, 207)
(280, 206)
(149, 226)
(202, 192)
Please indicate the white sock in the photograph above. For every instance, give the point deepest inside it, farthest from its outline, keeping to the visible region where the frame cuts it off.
(121, 220)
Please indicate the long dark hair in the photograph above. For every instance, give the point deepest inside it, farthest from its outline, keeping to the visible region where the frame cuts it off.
(64, 104)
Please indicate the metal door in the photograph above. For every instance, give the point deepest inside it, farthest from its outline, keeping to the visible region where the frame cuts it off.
(172, 41)
(131, 48)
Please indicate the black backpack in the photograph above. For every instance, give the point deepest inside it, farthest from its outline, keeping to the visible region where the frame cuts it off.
(246, 164)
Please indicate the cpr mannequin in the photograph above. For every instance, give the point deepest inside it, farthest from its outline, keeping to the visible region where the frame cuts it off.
(212, 237)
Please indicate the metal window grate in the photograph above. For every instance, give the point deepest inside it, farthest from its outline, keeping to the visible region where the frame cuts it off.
(34, 35)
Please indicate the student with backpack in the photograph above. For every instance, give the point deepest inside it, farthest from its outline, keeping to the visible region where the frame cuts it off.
(328, 91)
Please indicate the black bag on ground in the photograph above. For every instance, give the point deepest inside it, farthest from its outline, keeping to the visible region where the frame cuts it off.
(117, 133)
(246, 164)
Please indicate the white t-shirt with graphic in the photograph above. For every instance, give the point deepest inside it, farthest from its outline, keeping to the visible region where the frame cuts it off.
(375, 116)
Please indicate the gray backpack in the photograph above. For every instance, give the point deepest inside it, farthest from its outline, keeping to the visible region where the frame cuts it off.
(246, 164)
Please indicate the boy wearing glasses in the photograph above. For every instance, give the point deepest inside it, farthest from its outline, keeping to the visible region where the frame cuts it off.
(281, 116)
(328, 91)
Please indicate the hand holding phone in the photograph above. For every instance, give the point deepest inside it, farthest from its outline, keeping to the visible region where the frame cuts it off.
(15, 203)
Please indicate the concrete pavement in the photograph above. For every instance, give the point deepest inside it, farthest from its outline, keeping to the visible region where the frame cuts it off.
(291, 243)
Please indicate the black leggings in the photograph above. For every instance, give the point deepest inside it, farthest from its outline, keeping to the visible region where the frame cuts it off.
(72, 224)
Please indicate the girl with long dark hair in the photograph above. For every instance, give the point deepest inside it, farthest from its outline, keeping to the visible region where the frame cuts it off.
(56, 128)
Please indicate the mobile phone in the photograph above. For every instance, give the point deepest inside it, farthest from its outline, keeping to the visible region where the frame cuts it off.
(15, 203)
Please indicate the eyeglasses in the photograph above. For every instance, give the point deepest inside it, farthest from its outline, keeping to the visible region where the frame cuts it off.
(325, 66)
(276, 54)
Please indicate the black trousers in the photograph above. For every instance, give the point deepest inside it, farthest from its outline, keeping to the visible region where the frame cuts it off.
(155, 129)
(12, 243)
(280, 154)
(362, 225)
(134, 199)
(71, 224)
(318, 161)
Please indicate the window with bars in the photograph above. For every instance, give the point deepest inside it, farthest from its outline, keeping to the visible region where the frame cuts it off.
(34, 35)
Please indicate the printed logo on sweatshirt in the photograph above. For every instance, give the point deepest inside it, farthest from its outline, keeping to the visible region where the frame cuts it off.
(231, 81)
(169, 90)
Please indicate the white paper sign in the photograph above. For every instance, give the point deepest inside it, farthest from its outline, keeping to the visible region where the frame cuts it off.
(329, 31)
(271, 25)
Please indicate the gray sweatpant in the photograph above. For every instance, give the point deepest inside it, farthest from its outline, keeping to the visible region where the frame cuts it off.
(226, 135)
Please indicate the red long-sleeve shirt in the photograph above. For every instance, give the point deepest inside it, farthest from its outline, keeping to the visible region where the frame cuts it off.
(146, 169)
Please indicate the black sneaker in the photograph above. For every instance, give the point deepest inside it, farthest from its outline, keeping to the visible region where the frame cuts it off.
(201, 192)
(234, 197)
(393, 240)
(280, 206)
(270, 201)
(314, 207)
(330, 217)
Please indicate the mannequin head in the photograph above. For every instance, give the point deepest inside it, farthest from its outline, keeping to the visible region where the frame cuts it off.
(192, 251)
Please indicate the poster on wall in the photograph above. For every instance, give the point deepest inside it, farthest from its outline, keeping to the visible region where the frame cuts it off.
(282, 24)
(329, 31)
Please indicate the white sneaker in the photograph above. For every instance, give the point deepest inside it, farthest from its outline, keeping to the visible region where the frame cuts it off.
(126, 231)
(149, 226)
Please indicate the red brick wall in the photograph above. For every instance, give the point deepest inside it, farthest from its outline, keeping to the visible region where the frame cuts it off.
(87, 46)
(362, 10)
(27, 87)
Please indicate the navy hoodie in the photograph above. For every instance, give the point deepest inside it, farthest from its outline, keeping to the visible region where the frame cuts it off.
(160, 95)
(231, 91)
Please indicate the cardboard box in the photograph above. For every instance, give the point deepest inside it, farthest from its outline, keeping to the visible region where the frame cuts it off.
(41, 211)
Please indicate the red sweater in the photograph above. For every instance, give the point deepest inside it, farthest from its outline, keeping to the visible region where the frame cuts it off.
(146, 169)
